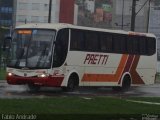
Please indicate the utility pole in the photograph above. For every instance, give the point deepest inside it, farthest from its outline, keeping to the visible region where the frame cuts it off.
(134, 13)
(149, 4)
(133, 17)
(49, 13)
(122, 14)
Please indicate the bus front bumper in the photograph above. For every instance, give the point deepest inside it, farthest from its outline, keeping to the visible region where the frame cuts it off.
(45, 81)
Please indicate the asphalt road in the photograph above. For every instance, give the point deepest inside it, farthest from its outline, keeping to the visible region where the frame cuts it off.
(19, 91)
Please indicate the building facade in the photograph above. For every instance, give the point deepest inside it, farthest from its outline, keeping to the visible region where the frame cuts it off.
(122, 15)
(90, 5)
(35, 11)
(66, 12)
(154, 27)
(6, 13)
(112, 14)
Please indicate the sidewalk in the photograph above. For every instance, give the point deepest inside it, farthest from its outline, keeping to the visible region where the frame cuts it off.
(157, 78)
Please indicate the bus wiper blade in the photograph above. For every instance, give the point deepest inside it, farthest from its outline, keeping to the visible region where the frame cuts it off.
(42, 55)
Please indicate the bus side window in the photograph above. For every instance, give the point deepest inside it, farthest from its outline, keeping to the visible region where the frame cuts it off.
(151, 46)
(119, 43)
(61, 47)
(77, 40)
(103, 46)
(106, 44)
(91, 38)
(130, 48)
(136, 46)
(143, 45)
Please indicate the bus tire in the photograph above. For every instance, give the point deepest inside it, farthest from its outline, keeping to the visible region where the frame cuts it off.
(33, 88)
(116, 88)
(73, 83)
(126, 84)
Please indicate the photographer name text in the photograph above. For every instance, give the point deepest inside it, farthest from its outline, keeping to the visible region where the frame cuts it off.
(18, 117)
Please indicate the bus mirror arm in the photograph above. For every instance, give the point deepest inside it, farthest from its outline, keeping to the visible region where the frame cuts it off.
(4, 46)
(54, 42)
(7, 43)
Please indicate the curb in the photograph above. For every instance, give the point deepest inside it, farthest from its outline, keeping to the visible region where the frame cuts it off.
(3, 81)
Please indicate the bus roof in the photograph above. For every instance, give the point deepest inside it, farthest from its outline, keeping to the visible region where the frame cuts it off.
(58, 26)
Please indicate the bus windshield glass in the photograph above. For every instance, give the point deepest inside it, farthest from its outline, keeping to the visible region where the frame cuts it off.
(32, 48)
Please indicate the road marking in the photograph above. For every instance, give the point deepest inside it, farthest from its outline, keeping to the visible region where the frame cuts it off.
(143, 102)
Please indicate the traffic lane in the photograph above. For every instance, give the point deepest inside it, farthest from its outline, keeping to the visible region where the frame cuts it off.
(20, 91)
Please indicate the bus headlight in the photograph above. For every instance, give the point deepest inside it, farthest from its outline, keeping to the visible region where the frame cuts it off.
(42, 75)
(10, 74)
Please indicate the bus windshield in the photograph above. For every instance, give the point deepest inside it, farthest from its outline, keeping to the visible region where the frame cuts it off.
(32, 48)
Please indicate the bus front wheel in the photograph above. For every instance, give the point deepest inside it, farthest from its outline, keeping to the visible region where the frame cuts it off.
(33, 88)
(72, 84)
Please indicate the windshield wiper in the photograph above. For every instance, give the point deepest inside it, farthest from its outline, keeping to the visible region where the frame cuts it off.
(41, 56)
(20, 54)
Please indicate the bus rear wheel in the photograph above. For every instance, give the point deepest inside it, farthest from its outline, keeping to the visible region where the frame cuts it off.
(126, 84)
(33, 88)
(117, 88)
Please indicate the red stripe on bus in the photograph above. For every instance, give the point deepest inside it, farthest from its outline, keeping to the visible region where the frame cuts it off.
(136, 79)
(127, 67)
(107, 77)
(128, 63)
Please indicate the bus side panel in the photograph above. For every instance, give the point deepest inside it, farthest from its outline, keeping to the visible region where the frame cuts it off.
(97, 69)
(103, 74)
(141, 68)
(74, 63)
(146, 69)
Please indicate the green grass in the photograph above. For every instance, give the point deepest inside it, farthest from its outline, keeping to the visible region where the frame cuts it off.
(69, 108)
(77, 105)
(2, 74)
(146, 99)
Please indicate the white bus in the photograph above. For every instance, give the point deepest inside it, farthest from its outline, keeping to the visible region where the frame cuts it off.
(67, 56)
